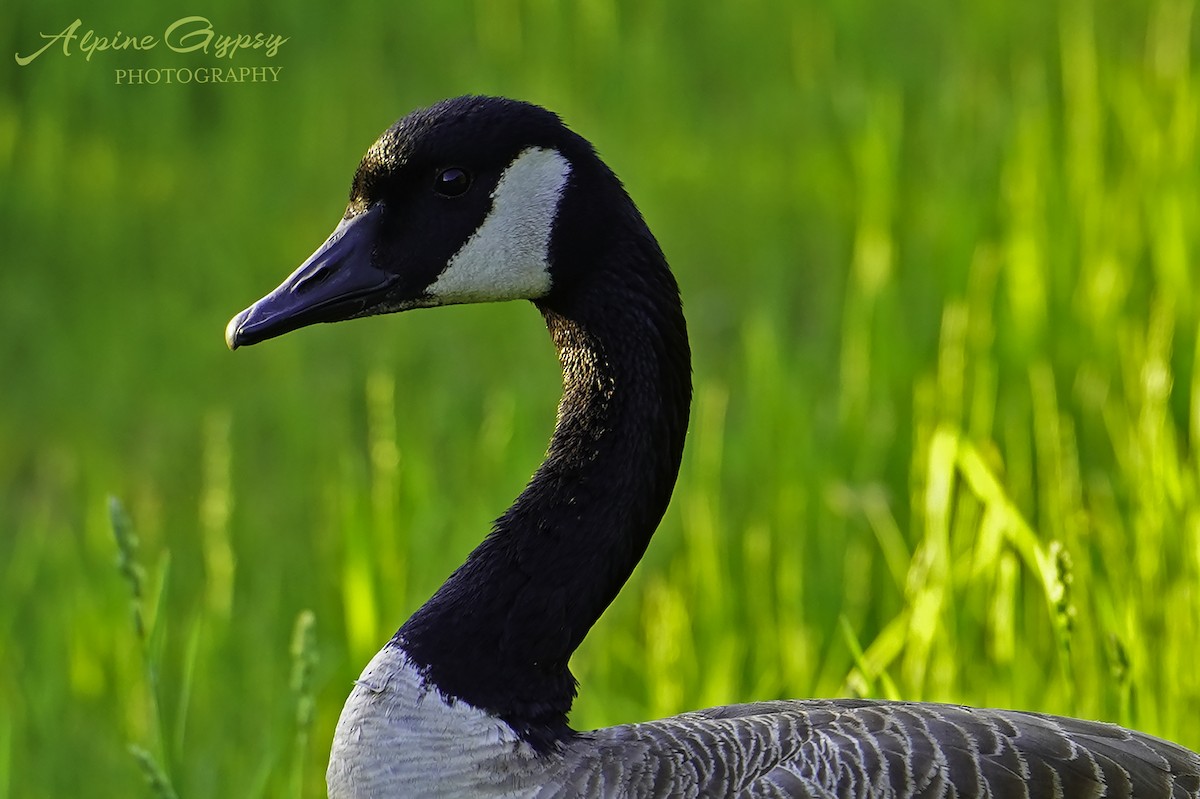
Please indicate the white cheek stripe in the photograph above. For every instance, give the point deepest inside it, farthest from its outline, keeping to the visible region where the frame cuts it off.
(507, 258)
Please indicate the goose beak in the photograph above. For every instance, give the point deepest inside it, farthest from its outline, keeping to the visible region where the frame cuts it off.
(338, 281)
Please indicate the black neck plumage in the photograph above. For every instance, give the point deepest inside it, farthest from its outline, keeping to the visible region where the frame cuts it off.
(499, 632)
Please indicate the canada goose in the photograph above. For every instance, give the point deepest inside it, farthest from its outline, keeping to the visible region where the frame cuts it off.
(480, 199)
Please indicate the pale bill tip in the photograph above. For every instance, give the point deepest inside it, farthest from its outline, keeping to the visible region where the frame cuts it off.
(231, 331)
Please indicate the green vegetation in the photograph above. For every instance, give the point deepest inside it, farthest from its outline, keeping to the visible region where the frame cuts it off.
(938, 261)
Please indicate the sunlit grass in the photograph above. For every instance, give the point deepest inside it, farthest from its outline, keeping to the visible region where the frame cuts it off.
(938, 264)
(149, 642)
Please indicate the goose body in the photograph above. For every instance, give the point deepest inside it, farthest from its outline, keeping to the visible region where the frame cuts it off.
(483, 199)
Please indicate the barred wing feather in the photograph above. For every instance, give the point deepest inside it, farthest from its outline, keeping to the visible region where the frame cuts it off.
(875, 750)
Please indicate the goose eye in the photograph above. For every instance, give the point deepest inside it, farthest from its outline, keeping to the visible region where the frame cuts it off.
(452, 182)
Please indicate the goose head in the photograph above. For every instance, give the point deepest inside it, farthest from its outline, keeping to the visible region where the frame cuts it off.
(465, 201)
(480, 199)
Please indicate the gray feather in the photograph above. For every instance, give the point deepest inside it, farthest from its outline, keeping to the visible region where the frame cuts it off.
(858, 748)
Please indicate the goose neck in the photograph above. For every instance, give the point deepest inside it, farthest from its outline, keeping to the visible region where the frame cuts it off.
(500, 631)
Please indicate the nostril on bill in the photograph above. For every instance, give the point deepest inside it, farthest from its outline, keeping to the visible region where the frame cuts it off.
(316, 278)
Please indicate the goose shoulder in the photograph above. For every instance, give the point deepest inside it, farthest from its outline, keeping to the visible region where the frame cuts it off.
(399, 737)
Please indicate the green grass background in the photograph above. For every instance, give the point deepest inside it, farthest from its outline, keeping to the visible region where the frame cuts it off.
(939, 265)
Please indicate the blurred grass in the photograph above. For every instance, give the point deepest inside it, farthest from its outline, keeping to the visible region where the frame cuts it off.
(938, 265)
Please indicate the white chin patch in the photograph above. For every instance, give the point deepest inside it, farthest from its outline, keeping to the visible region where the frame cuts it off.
(507, 258)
